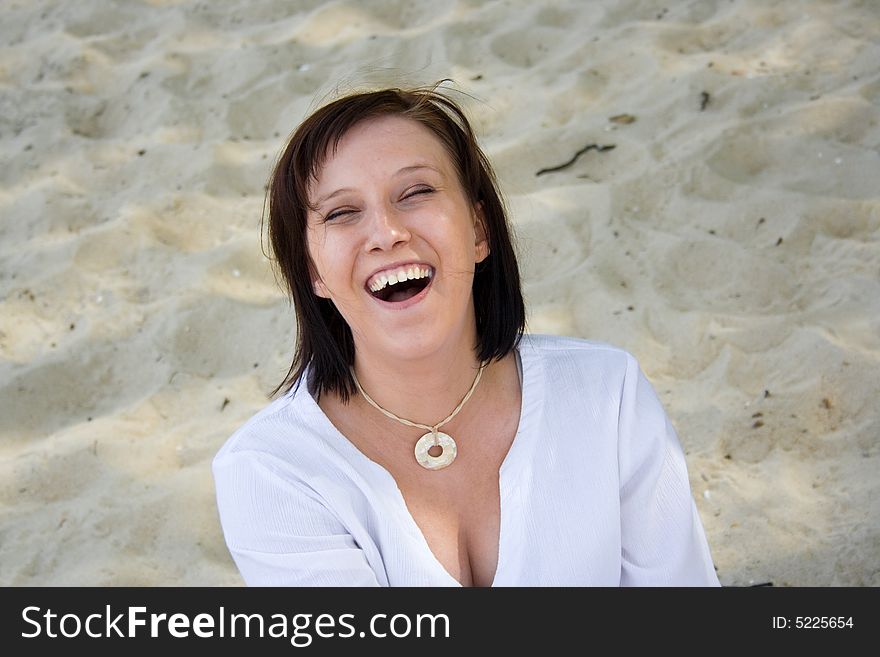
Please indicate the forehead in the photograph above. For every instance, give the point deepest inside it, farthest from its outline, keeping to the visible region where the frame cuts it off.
(383, 144)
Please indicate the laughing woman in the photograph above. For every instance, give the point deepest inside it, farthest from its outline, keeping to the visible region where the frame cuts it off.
(422, 438)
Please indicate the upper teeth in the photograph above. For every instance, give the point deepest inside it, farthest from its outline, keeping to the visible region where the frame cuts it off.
(398, 276)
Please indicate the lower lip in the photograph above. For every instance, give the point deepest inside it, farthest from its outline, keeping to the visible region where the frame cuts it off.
(408, 303)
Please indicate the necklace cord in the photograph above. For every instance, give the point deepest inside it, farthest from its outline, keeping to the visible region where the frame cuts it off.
(433, 429)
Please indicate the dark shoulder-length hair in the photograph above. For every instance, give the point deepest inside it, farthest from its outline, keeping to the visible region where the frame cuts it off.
(324, 338)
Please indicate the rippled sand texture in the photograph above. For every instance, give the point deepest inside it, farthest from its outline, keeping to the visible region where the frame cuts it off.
(729, 240)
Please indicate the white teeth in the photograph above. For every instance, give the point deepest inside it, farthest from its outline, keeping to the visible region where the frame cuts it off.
(399, 276)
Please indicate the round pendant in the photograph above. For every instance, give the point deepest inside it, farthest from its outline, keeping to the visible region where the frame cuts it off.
(426, 442)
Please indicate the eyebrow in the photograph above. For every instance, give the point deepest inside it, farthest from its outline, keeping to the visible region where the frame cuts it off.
(399, 172)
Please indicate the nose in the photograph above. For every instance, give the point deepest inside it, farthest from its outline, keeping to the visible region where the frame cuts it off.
(387, 228)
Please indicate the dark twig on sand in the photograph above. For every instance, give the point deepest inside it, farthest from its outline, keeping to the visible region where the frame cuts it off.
(574, 158)
(704, 100)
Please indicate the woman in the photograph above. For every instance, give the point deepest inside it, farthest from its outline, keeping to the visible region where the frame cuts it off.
(435, 444)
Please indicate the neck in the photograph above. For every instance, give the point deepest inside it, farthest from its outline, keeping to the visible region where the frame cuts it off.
(425, 389)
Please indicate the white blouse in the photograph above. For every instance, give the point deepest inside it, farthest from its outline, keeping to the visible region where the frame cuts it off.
(594, 489)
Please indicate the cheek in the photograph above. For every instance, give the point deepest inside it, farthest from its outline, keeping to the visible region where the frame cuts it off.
(321, 246)
(322, 268)
(447, 226)
(334, 258)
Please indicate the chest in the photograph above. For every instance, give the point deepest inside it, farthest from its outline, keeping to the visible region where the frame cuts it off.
(457, 509)
(460, 517)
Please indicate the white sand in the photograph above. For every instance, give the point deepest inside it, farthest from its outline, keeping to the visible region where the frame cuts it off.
(733, 249)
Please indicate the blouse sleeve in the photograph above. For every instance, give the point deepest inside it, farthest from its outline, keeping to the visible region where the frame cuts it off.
(278, 530)
(662, 537)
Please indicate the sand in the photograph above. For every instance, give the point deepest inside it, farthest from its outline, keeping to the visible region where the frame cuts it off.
(730, 240)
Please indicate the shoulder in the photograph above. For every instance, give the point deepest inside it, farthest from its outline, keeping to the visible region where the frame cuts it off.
(276, 436)
(566, 353)
(251, 434)
(548, 342)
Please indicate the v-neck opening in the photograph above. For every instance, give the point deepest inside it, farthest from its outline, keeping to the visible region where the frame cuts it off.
(531, 402)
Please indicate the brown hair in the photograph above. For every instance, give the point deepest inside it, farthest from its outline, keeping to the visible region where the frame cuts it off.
(324, 339)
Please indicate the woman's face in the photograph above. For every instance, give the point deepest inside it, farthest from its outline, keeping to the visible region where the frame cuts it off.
(390, 194)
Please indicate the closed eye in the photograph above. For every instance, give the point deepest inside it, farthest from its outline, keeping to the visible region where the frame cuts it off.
(419, 190)
(337, 213)
(416, 192)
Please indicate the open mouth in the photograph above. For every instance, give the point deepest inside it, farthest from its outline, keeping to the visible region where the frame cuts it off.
(402, 291)
(401, 287)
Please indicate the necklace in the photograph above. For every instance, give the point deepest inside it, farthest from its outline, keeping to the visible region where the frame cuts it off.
(434, 437)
